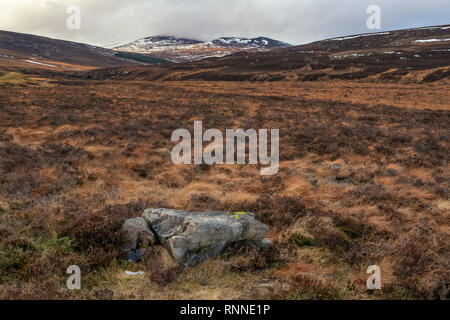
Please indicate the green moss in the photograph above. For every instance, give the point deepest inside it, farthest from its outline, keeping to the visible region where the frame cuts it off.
(301, 240)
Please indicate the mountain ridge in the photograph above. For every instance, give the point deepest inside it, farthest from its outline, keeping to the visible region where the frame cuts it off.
(20, 49)
(416, 55)
(180, 49)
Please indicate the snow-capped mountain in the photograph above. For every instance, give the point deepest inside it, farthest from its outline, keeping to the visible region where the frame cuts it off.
(157, 42)
(261, 42)
(183, 49)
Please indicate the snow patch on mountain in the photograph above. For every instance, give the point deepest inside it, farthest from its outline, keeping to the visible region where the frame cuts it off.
(184, 49)
(40, 63)
(431, 40)
(360, 35)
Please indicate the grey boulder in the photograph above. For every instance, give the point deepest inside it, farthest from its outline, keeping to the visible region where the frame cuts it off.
(138, 237)
(193, 237)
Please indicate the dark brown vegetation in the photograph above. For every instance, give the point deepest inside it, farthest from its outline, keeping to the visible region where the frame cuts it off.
(34, 54)
(364, 179)
(393, 57)
(400, 56)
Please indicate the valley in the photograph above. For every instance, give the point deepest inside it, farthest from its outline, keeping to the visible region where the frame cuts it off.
(363, 179)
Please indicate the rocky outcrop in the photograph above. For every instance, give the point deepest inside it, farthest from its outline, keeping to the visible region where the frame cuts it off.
(193, 237)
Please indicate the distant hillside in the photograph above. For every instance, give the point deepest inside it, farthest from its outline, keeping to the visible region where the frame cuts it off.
(183, 49)
(387, 39)
(417, 55)
(17, 49)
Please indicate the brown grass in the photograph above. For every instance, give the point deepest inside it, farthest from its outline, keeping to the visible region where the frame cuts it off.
(79, 158)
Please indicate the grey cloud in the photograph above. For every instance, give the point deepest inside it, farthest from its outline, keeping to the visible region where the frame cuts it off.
(107, 22)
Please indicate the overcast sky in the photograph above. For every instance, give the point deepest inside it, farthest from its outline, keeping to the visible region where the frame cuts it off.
(108, 22)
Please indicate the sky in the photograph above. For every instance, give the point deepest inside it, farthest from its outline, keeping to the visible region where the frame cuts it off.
(112, 22)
